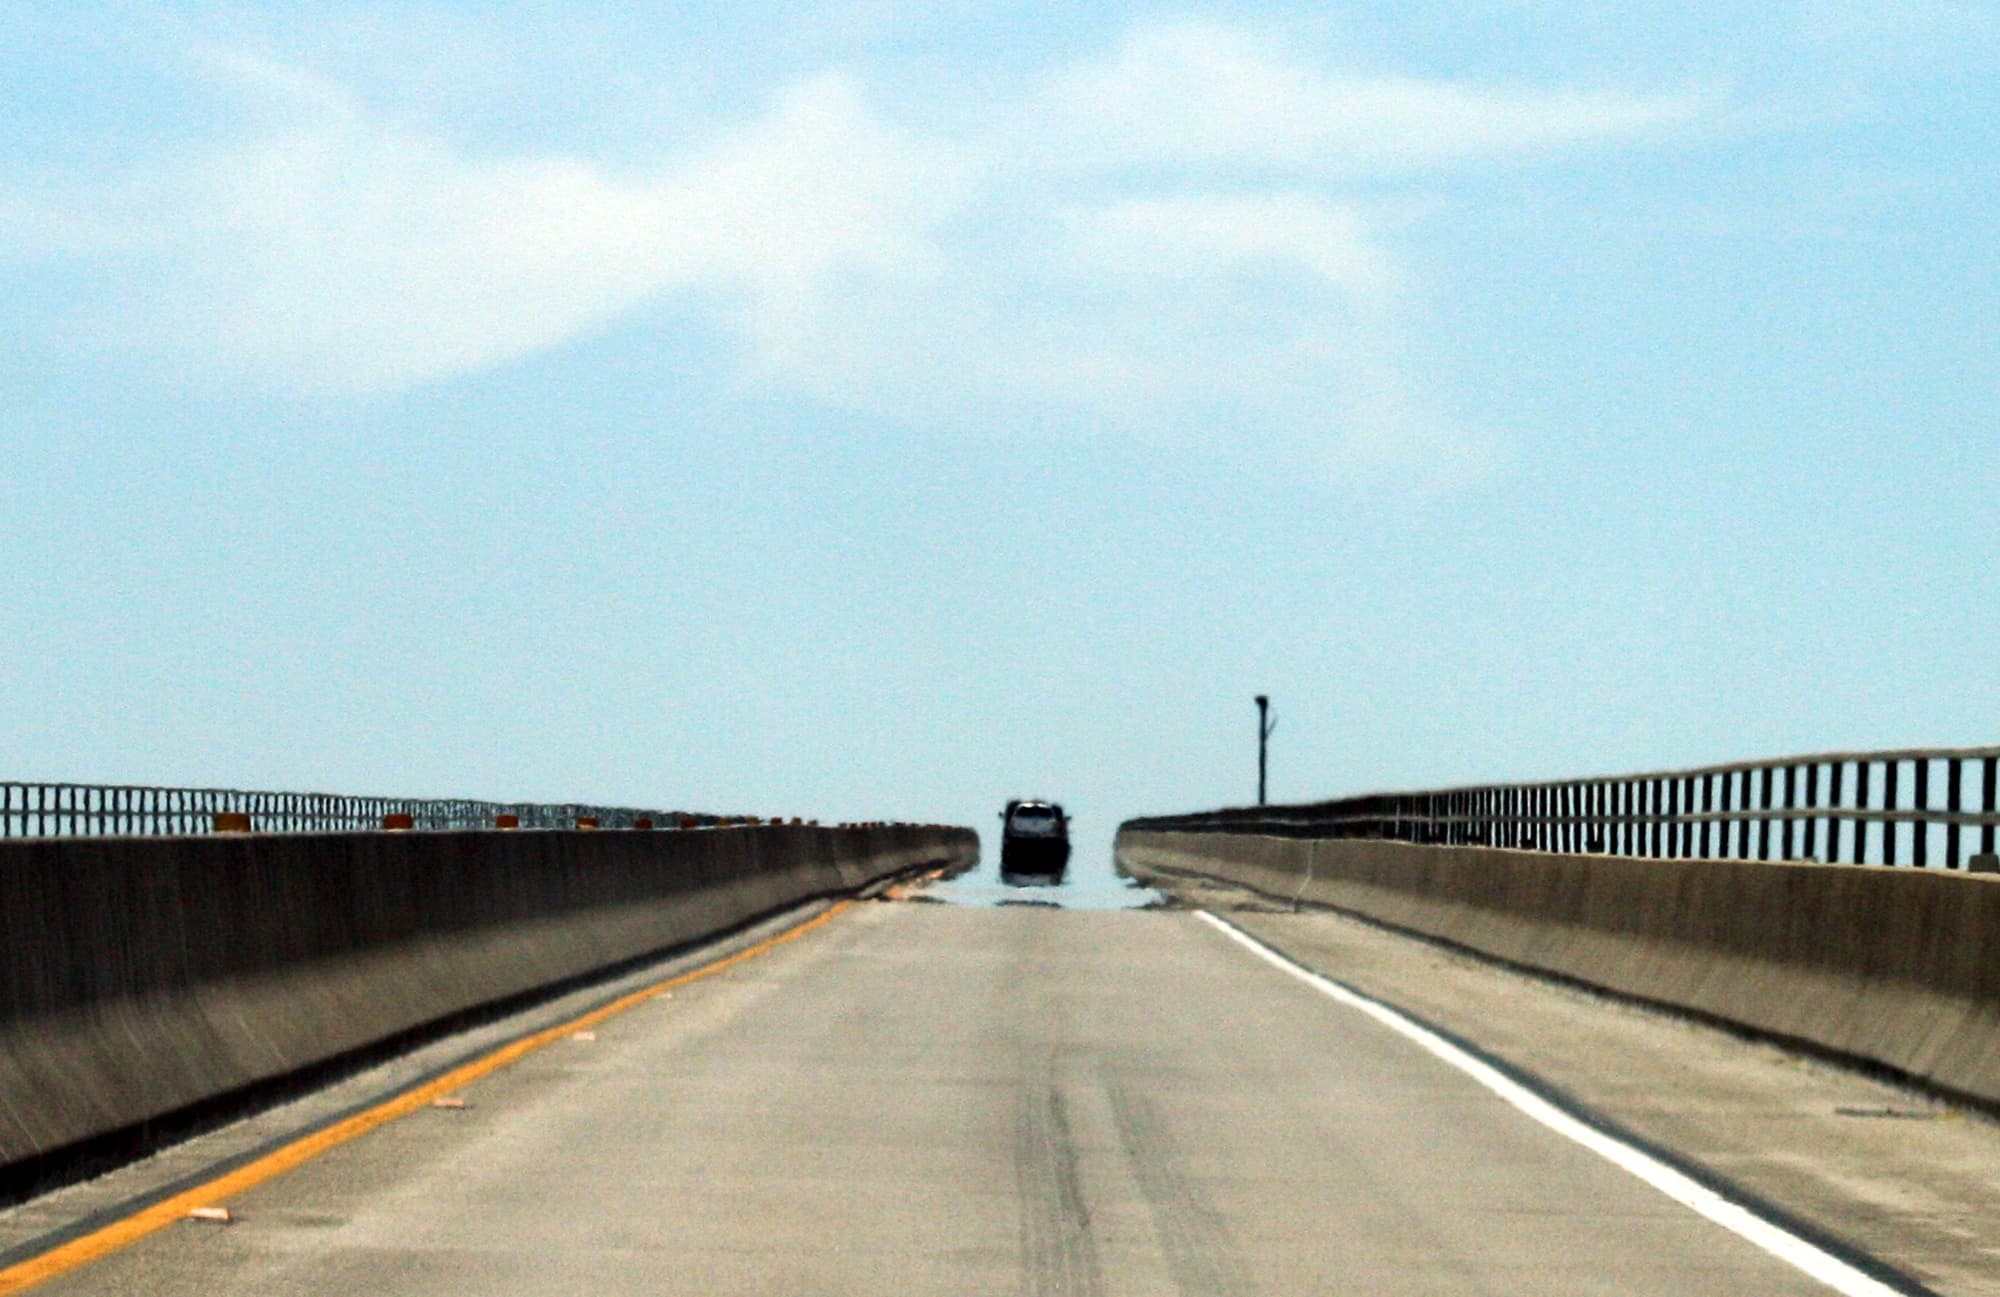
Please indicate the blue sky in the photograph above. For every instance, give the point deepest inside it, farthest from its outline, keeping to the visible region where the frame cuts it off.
(878, 410)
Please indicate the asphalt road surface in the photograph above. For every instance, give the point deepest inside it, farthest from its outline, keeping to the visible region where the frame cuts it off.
(923, 1098)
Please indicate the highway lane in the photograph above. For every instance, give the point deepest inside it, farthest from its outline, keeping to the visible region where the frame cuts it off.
(928, 1098)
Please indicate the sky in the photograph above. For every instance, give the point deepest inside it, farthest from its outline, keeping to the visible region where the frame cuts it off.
(880, 410)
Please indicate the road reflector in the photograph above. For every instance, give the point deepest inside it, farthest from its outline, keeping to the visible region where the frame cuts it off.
(583, 1035)
(448, 1101)
(216, 1215)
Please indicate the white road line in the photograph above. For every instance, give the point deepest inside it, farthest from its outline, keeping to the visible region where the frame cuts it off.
(1737, 1219)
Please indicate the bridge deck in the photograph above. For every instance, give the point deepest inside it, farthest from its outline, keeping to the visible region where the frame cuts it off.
(927, 1098)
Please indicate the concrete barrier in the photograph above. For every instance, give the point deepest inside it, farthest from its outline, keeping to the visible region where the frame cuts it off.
(142, 976)
(1893, 966)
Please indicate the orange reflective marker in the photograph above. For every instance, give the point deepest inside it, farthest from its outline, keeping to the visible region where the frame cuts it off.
(399, 822)
(232, 822)
(506, 820)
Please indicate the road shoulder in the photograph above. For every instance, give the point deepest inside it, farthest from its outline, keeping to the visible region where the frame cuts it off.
(1896, 1175)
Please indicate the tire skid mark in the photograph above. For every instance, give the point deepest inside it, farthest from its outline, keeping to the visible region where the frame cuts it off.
(1200, 1253)
(1058, 1253)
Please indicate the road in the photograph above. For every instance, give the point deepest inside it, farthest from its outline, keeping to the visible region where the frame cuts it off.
(924, 1098)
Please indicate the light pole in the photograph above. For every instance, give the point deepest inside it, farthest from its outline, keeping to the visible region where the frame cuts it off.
(1265, 726)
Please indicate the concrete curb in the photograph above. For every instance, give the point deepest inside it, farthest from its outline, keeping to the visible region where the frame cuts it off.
(142, 976)
(1896, 967)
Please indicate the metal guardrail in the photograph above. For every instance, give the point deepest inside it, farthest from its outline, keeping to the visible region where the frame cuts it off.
(40, 810)
(1918, 806)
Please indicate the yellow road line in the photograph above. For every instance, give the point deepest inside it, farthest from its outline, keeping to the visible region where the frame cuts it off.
(122, 1233)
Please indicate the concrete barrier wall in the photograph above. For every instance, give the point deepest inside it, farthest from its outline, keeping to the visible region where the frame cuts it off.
(1899, 966)
(141, 976)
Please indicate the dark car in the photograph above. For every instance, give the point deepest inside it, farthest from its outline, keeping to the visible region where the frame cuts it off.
(1034, 841)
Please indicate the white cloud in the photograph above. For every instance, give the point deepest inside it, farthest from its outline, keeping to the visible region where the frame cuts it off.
(335, 250)
(352, 258)
(883, 265)
(1207, 94)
